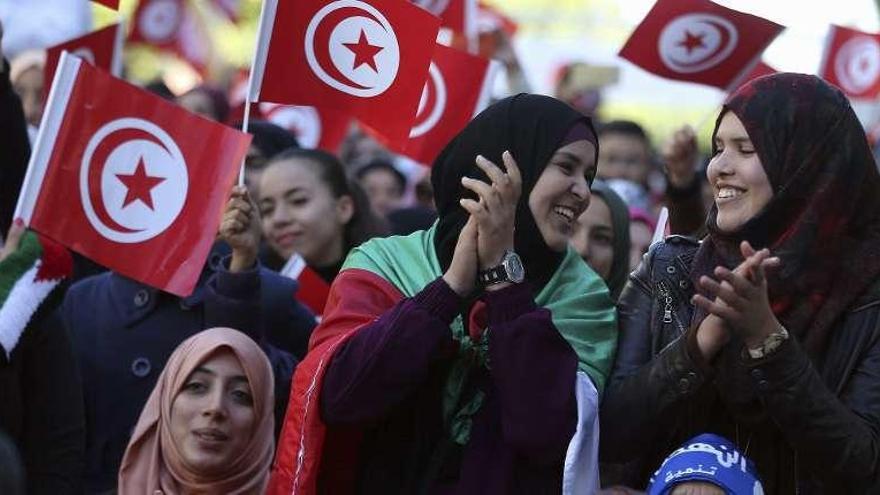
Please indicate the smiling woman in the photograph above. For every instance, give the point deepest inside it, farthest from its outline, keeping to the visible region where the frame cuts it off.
(207, 426)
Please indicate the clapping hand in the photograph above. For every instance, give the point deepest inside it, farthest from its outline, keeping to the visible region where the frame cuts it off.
(741, 298)
(495, 212)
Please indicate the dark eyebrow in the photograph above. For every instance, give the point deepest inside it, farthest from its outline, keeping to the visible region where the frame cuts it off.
(240, 378)
(567, 155)
(208, 371)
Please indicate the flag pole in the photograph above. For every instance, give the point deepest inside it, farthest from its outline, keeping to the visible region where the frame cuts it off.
(267, 16)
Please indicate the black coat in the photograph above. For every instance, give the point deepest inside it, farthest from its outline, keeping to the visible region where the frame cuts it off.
(812, 425)
(123, 333)
(15, 148)
(41, 403)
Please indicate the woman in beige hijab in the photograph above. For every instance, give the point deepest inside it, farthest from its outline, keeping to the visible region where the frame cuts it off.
(207, 426)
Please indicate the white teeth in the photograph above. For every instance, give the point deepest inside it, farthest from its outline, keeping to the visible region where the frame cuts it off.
(565, 211)
(729, 192)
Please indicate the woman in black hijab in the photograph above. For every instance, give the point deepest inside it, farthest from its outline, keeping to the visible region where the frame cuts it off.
(780, 350)
(404, 354)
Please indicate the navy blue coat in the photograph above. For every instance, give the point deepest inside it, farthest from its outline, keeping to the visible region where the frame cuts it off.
(123, 333)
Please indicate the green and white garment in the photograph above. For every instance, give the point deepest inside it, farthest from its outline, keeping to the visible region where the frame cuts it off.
(27, 277)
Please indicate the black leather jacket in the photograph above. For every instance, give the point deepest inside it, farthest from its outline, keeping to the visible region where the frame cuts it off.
(810, 423)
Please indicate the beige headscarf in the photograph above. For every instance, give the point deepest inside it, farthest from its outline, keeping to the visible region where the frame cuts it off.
(152, 463)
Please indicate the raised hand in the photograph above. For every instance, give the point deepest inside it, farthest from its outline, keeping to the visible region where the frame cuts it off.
(741, 298)
(495, 212)
(680, 157)
(461, 275)
(240, 228)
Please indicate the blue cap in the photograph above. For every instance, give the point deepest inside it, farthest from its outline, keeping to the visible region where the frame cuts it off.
(708, 458)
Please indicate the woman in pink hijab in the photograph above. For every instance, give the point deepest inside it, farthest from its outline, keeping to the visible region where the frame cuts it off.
(207, 426)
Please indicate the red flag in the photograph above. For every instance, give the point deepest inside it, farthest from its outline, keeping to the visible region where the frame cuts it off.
(113, 4)
(366, 58)
(457, 88)
(698, 41)
(852, 62)
(491, 19)
(128, 179)
(759, 70)
(101, 48)
(458, 15)
(313, 127)
(157, 22)
(172, 26)
(313, 290)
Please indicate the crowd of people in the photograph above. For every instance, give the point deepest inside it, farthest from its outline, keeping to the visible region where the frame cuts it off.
(521, 318)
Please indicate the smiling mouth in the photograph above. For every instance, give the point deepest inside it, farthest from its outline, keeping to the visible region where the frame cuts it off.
(729, 193)
(565, 212)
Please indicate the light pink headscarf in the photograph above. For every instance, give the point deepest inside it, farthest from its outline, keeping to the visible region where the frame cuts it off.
(152, 462)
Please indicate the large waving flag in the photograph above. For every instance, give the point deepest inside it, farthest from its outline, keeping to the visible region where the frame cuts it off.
(699, 41)
(458, 87)
(101, 48)
(128, 179)
(852, 62)
(367, 58)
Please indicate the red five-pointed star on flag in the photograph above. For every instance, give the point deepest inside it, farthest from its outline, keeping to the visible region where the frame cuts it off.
(692, 41)
(139, 185)
(364, 52)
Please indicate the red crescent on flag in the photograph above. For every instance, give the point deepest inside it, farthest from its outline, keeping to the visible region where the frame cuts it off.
(429, 101)
(723, 33)
(322, 41)
(99, 162)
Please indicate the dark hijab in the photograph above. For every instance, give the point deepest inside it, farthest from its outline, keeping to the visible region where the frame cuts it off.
(620, 226)
(532, 128)
(823, 220)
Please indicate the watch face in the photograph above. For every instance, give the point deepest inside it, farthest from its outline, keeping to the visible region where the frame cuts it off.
(514, 268)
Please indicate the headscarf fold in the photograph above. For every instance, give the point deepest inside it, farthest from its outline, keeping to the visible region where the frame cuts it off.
(823, 220)
(620, 226)
(152, 462)
(532, 128)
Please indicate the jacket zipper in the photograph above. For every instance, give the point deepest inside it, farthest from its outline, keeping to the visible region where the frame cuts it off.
(669, 315)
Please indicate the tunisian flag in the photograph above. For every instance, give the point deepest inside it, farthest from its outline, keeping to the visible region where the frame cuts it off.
(458, 87)
(366, 58)
(101, 48)
(127, 179)
(852, 62)
(320, 128)
(698, 41)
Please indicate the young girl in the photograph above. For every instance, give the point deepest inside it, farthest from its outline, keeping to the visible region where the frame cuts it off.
(312, 215)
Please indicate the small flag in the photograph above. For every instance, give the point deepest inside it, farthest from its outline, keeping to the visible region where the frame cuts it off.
(852, 62)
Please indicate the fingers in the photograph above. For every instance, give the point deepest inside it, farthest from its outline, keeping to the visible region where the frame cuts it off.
(492, 171)
(488, 194)
(721, 290)
(718, 309)
(512, 170)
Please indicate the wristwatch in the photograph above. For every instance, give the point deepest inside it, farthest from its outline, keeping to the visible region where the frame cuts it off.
(770, 344)
(510, 270)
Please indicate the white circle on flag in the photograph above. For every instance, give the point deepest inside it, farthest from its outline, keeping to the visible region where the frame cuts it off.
(126, 213)
(159, 20)
(352, 47)
(857, 65)
(433, 94)
(85, 54)
(302, 122)
(435, 7)
(696, 42)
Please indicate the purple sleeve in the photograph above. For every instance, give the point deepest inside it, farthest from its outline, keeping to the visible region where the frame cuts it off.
(534, 371)
(386, 360)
